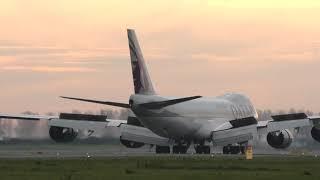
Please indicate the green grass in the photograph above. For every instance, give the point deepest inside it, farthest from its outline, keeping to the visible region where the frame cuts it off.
(163, 168)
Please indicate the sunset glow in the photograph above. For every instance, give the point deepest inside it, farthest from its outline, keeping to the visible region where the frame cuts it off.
(269, 50)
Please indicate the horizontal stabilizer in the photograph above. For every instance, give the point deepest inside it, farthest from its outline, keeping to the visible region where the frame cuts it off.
(26, 117)
(123, 105)
(161, 104)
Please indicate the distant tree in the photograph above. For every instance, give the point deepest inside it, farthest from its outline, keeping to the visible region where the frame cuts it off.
(279, 112)
(89, 112)
(309, 113)
(292, 111)
(123, 114)
(108, 112)
(29, 129)
(264, 115)
(74, 111)
(50, 114)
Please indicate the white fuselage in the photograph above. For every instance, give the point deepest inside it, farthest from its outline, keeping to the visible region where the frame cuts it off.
(195, 119)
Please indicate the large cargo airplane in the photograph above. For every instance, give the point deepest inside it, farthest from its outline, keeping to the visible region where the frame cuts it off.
(173, 124)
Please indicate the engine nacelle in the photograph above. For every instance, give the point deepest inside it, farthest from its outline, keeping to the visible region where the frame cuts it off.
(280, 139)
(62, 134)
(131, 144)
(315, 133)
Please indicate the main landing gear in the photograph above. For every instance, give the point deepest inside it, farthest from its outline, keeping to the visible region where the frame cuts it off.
(180, 149)
(201, 148)
(233, 149)
(163, 149)
(177, 149)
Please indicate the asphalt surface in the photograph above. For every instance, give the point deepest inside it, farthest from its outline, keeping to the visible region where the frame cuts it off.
(78, 150)
(68, 151)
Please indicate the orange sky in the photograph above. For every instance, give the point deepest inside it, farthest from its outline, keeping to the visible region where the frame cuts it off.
(268, 50)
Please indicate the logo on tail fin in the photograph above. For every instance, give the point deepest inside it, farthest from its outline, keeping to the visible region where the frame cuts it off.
(141, 79)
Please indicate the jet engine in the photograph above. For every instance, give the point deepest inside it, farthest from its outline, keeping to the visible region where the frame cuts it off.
(280, 139)
(62, 134)
(315, 133)
(131, 144)
(132, 120)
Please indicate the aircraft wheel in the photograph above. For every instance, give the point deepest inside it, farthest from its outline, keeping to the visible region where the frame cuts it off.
(202, 149)
(179, 149)
(184, 149)
(198, 149)
(162, 149)
(235, 149)
(206, 149)
(226, 150)
(243, 149)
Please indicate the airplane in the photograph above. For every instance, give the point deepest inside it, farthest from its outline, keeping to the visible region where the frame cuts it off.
(173, 124)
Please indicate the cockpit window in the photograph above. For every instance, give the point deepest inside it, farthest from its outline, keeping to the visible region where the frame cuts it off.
(234, 111)
(248, 110)
(239, 112)
(243, 111)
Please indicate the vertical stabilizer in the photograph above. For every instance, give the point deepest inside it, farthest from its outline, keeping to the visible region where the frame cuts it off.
(141, 79)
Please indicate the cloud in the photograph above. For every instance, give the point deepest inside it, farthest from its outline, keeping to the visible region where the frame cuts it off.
(6, 60)
(17, 50)
(64, 51)
(47, 69)
(215, 46)
(27, 50)
(302, 57)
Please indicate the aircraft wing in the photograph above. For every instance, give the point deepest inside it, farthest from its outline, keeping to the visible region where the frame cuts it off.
(128, 132)
(287, 121)
(230, 133)
(26, 117)
(85, 124)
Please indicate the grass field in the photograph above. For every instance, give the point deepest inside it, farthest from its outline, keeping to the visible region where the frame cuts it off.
(163, 168)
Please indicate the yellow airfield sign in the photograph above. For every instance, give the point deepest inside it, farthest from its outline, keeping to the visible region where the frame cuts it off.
(249, 152)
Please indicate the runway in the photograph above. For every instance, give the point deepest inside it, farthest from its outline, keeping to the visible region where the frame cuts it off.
(82, 150)
(68, 151)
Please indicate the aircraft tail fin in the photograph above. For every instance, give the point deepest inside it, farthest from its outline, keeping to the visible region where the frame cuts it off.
(141, 79)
